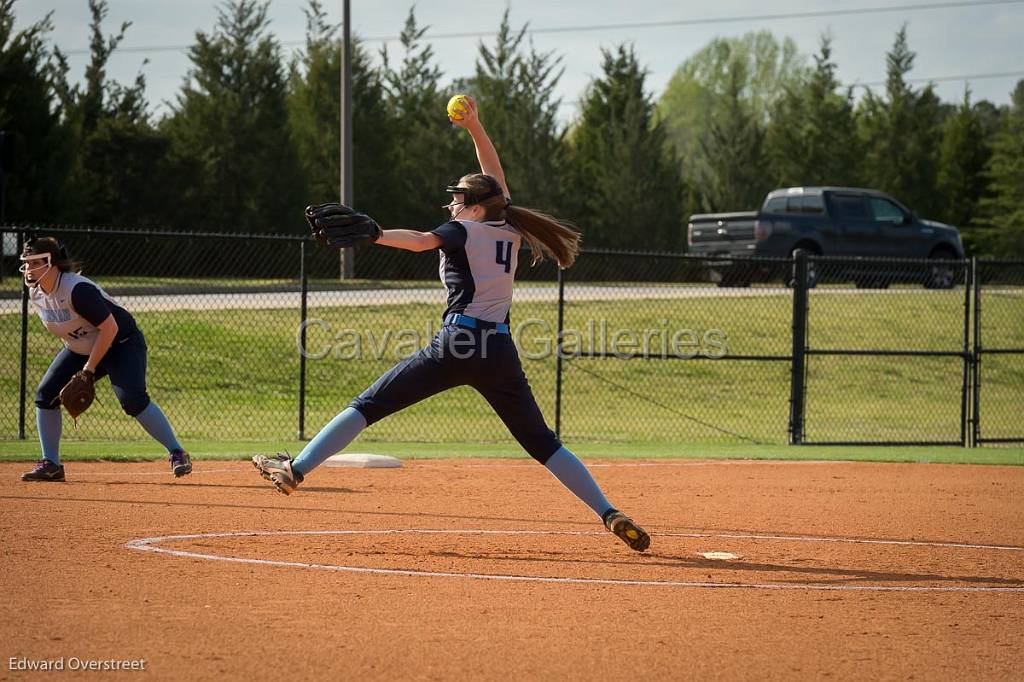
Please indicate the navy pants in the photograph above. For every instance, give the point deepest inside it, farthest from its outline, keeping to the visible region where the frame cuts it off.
(125, 363)
(481, 358)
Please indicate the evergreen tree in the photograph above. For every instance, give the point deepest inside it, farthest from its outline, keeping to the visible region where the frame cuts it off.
(736, 174)
(901, 135)
(811, 138)
(989, 116)
(230, 141)
(117, 168)
(1002, 209)
(31, 112)
(314, 105)
(429, 153)
(514, 88)
(962, 159)
(623, 174)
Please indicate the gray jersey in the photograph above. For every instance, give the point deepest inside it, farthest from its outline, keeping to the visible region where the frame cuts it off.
(73, 309)
(478, 267)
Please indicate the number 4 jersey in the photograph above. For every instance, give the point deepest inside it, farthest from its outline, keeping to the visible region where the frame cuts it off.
(74, 309)
(478, 266)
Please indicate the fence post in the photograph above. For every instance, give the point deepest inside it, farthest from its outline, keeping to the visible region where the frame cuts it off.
(976, 388)
(965, 439)
(798, 374)
(558, 353)
(23, 382)
(6, 154)
(304, 283)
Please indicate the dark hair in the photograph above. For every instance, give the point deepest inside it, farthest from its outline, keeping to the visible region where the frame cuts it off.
(545, 234)
(59, 257)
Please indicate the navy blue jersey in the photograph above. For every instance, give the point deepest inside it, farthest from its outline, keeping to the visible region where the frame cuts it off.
(478, 267)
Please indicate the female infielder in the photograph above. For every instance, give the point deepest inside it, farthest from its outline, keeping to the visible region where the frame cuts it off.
(100, 338)
(478, 249)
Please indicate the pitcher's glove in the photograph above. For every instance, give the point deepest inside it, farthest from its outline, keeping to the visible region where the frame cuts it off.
(337, 225)
(78, 394)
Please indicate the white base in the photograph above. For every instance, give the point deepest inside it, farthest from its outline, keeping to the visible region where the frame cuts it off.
(719, 556)
(363, 460)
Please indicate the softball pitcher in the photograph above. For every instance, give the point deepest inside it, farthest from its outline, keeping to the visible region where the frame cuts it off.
(100, 338)
(479, 250)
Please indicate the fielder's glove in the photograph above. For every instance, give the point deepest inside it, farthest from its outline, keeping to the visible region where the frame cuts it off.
(337, 225)
(78, 394)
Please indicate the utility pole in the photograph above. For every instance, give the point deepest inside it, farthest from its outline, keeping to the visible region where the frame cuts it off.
(348, 262)
(6, 166)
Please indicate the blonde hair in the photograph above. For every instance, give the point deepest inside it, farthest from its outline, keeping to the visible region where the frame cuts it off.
(545, 234)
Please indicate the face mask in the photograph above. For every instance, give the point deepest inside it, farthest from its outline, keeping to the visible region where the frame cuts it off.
(32, 279)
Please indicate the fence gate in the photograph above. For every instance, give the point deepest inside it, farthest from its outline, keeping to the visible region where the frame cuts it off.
(881, 352)
(998, 395)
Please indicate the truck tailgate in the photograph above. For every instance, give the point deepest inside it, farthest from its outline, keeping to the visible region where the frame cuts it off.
(721, 231)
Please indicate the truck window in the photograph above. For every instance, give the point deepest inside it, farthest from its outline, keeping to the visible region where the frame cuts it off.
(885, 211)
(850, 207)
(808, 203)
(775, 205)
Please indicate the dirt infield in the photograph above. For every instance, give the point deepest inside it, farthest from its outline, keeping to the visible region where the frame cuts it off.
(488, 569)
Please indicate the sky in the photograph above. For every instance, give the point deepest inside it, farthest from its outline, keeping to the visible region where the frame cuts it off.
(949, 41)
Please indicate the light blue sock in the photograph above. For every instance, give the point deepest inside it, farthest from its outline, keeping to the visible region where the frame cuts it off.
(155, 422)
(574, 475)
(333, 438)
(48, 423)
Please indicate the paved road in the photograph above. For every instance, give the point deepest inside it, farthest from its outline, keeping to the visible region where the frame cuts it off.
(378, 297)
(432, 295)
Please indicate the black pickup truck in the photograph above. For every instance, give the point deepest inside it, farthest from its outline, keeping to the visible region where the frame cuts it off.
(828, 221)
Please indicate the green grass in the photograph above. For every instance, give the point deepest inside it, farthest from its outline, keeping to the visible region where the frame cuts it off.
(231, 375)
(11, 451)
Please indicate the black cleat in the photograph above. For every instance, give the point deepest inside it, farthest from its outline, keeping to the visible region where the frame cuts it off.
(181, 463)
(45, 471)
(627, 531)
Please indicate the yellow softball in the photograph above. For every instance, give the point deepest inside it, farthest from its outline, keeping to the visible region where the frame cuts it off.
(457, 106)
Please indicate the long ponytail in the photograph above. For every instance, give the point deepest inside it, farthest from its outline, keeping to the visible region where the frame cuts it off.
(545, 234)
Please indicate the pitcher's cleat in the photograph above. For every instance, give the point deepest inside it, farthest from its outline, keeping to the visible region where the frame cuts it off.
(181, 463)
(45, 471)
(627, 530)
(257, 461)
(278, 470)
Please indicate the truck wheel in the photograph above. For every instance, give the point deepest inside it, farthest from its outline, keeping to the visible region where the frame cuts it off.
(942, 274)
(812, 269)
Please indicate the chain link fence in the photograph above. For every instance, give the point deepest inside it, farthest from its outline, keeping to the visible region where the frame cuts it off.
(670, 347)
(630, 347)
(998, 396)
(218, 314)
(887, 351)
(225, 317)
